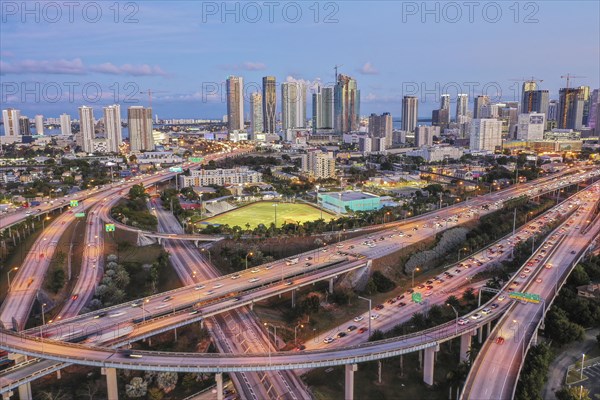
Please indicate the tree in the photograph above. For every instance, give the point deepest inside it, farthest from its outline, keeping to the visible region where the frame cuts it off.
(155, 394)
(560, 328)
(572, 393)
(137, 192)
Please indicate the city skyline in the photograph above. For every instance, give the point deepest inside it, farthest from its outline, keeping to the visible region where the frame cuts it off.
(169, 69)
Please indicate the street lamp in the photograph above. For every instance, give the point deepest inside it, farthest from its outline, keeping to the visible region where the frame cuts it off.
(275, 208)
(144, 309)
(208, 251)
(459, 250)
(249, 254)
(413, 276)
(370, 308)
(8, 275)
(44, 222)
(456, 313)
(43, 322)
(295, 331)
(386, 214)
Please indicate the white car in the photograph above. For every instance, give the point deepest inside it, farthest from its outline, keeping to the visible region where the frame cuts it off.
(252, 280)
(358, 319)
(218, 285)
(328, 340)
(463, 321)
(475, 316)
(255, 270)
(374, 316)
(486, 310)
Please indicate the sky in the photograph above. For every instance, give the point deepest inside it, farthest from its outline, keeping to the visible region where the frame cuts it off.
(55, 58)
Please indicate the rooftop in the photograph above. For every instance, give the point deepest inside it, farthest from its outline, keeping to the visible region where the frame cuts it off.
(351, 196)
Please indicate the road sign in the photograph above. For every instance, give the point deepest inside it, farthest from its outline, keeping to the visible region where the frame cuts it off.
(530, 297)
(74, 203)
(417, 297)
(176, 169)
(195, 159)
(80, 215)
(109, 227)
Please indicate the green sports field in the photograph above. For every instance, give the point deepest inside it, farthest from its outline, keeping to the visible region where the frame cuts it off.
(264, 213)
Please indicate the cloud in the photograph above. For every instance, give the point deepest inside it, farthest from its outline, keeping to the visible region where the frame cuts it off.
(6, 54)
(368, 69)
(128, 69)
(59, 67)
(245, 66)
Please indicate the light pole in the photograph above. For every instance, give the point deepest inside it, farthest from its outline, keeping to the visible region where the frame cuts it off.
(44, 222)
(581, 375)
(144, 309)
(249, 254)
(459, 250)
(43, 322)
(295, 332)
(370, 308)
(8, 275)
(208, 251)
(413, 276)
(275, 206)
(456, 313)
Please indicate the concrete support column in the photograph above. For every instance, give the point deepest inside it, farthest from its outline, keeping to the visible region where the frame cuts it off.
(428, 365)
(25, 392)
(480, 334)
(534, 338)
(465, 346)
(488, 328)
(112, 391)
(7, 395)
(293, 299)
(349, 388)
(331, 285)
(219, 379)
(251, 306)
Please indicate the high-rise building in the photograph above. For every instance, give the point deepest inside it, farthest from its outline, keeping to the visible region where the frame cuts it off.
(424, 135)
(531, 126)
(526, 88)
(440, 117)
(570, 109)
(269, 97)
(235, 103)
(139, 121)
(256, 113)
(593, 121)
(293, 107)
(381, 127)
(445, 102)
(24, 127)
(584, 94)
(410, 113)
(552, 111)
(346, 105)
(86, 129)
(535, 101)
(39, 124)
(322, 105)
(65, 124)
(10, 118)
(480, 102)
(112, 127)
(462, 106)
(318, 164)
(486, 134)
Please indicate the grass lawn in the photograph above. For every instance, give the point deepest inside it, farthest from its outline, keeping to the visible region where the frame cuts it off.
(264, 213)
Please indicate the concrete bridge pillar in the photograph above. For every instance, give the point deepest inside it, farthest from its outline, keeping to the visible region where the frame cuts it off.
(534, 338)
(197, 243)
(349, 387)
(293, 299)
(219, 379)
(112, 390)
(7, 395)
(488, 329)
(25, 392)
(428, 364)
(331, 285)
(465, 346)
(480, 334)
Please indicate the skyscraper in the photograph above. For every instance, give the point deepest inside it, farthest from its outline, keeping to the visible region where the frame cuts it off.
(381, 127)
(584, 94)
(410, 113)
(10, 118)
(65, 124)
(322, 105)
(531, 126)
(480, 102)
(346, 105)
(139, 121)
(269, 97)
(570, 109)
(535, 101)
(24, 126)
(594, 110)
(552, 111)
(486, 134)
(462, 106)
(424, 135)
(86, 129)
(256, 113)
(293, 106)
(235, 103)
(445, 102)
(526, 88)
(39, 124)
(112, 126)
(440, 118)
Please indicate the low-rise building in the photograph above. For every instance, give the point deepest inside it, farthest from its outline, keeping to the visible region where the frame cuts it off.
(220, 177)
(437, 153)
(342, 202)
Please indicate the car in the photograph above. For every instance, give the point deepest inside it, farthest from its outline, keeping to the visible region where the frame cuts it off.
(476, 316)
(218, 285)
(102, 314)
(486, 310)
(300, 347)
(341, 335)
(252, 280)
(494, 306)
(235, 276)
(362, 330)
(328, 340)
(573, 252)
(539, 280)
(289, 283)
(308, 264)
(548, 266)
(351, 328)
(358, 319)
(463, 321)
(193, 312)
(199, 287)
(74, 297)
(523, 276)
(429, 287)
(421, 287)
(210, 292)
(499, 340)
(374, 316)
(137, 303)
(410, 291)
(255, 270)
(379, 307)
(168, 298)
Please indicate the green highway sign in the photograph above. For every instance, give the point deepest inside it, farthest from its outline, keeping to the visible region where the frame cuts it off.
(417, 297)
(74, 203)
(530, 297)
(80, 215)
(176, 169)
(109, 227)
(195, 159)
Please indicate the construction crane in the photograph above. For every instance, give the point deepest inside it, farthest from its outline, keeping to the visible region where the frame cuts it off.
(568, 77)
(336, 71)
(150, 92)
(532, 79)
